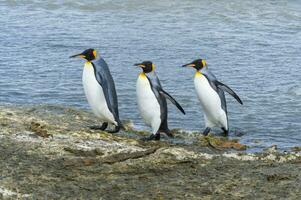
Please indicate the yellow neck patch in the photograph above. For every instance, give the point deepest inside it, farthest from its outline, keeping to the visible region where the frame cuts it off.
(88, 64)
(198, 74)
(142, 75)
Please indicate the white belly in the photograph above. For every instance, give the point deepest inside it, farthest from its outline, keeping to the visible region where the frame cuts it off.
(148, 104)
(95, 95)
(211, 103)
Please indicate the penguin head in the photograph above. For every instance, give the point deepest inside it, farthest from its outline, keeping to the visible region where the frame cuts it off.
(89, 54)
(197, 64)
(147, 66)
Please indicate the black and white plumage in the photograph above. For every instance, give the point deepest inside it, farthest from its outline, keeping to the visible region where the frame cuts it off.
(151, 98)
(100, 90)
(212, 97)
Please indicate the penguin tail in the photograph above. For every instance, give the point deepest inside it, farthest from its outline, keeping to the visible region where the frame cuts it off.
(120, 125)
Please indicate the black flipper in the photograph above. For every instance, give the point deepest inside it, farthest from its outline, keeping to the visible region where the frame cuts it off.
(103, 76)
(105, 90)
(229, 90)
(168, 96)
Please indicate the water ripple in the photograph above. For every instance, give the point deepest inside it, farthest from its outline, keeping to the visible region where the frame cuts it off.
(255, 51)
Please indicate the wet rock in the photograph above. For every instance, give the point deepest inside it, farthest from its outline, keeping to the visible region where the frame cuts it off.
(85, 153)
(39, 129)
(79, 163)
(271, 149)
(277, 177)
(222, 143)
(120, 157)
(296, 149)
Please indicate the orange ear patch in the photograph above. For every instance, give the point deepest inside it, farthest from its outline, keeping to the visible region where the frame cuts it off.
(95, 53)
(153, 67)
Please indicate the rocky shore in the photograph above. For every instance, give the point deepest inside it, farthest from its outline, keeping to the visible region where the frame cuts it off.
(48, 152)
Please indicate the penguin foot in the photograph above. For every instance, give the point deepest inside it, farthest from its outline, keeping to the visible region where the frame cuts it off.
(152, 137)
(206, 131)
(225, 132)
(169, 134)
(116, 130)
(102, 127)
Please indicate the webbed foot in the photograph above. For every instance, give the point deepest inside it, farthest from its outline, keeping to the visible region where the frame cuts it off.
(169, 134)
(206, 131)
(102, 127)
(225, 132)
(152, 137)
(115, 130)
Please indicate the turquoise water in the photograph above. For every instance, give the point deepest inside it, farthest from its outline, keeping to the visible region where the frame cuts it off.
(252, 46)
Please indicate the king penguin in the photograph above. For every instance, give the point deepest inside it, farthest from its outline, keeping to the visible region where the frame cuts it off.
(100, 90)
(151, 100)
(211, 95)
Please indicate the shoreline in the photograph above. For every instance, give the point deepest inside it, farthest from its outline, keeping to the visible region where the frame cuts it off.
(45, 146)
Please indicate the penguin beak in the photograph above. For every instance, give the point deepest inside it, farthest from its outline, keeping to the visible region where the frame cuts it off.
(139, 65)
(78, 55)
(189, 65)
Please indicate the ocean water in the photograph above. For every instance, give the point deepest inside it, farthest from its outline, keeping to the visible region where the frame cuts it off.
(252, 46)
